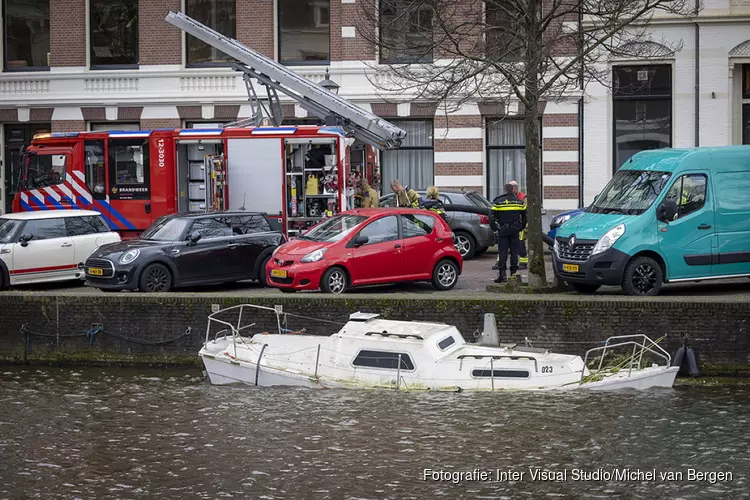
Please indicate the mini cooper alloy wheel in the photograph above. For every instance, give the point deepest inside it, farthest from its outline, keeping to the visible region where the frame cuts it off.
(157, 279)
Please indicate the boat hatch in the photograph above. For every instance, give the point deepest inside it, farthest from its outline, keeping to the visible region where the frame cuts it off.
(360, 316)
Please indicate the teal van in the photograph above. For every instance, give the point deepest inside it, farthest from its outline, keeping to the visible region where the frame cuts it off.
(667, 215)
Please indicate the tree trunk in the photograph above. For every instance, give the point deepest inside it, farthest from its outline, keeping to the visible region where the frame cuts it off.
(535, 245)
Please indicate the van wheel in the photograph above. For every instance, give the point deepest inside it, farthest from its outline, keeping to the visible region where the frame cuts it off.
(445, 275)
(585, 287)
(643, 276)
(465, 245)
(155, 278)
(334, 280)
(3, 281)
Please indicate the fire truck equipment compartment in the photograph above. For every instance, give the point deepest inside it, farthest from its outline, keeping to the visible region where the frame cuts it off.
(255, 174)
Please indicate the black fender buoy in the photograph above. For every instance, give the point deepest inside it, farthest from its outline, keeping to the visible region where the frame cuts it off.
(692, 362)
(685, 355)
(679, 357)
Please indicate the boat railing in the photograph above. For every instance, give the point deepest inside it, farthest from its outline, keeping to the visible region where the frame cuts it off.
(640, 343)
(220, 319)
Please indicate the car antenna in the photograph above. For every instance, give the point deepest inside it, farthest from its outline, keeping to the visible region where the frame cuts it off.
(244, 200)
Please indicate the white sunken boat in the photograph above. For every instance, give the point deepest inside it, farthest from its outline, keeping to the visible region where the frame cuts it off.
(370, 352)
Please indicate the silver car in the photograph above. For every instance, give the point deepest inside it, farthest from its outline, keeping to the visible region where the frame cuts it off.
(473, 233)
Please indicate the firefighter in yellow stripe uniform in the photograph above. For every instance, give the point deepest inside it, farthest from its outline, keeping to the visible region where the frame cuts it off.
(507, 219)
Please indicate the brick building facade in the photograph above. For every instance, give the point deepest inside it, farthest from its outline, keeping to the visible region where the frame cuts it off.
(68, 67)
(696, 96)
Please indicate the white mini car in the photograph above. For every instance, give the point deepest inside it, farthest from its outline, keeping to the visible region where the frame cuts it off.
(49, 245)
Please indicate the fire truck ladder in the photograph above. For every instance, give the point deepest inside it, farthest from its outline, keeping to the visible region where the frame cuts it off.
(318, 101)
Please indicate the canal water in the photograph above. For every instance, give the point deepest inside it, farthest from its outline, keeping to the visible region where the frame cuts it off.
(125, 433)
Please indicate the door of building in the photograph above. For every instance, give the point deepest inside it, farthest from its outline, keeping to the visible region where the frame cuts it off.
(17, 135)
(746, 124)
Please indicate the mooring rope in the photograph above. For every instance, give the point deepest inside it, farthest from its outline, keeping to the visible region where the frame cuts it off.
(92, 332)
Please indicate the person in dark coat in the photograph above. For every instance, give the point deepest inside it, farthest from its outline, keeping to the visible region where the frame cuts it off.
(507, 219)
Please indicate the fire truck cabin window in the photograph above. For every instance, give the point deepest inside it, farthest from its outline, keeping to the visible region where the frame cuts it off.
(128, 169)
(46, 170)
(95, 167)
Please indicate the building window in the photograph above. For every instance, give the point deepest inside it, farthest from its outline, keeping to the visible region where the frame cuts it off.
(108, 127)
(746, 81)
(506, 156)
(503, 43)
(210, 125)
(405, 32)
(383, 359)
(642, 110)
(114, 33)
(217, 14)
(413, 163)
(304, 31)
(26, 34)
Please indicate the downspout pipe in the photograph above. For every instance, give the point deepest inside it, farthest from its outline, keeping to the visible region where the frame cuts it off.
(580, 152)
(580, 116)
(697, 76)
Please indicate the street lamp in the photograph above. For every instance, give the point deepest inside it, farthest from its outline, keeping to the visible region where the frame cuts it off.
(329, 84)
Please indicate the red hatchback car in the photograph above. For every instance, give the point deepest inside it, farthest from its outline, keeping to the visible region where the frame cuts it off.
(369, 246)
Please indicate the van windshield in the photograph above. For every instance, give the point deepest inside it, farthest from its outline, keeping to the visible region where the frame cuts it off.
(630, 192)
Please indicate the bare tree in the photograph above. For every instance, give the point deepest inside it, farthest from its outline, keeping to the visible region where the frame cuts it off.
(528, 51)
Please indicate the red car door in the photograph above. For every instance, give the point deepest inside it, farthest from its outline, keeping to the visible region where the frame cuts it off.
(381, 259)
(418, 232)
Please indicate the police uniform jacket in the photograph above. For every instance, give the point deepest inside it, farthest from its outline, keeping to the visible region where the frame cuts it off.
(508, 215)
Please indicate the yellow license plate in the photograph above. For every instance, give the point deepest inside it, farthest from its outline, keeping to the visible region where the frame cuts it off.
(278, 273)
(95, 271)
(571, 268)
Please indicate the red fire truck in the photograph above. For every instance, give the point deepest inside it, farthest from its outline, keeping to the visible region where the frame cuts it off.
(296, 174)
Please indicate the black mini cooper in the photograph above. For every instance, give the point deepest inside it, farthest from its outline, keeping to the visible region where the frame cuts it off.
(187, 250)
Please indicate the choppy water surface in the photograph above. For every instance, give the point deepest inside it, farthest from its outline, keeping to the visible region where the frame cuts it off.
(109, 433)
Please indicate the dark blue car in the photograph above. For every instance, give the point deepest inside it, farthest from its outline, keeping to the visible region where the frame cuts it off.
(560, 219)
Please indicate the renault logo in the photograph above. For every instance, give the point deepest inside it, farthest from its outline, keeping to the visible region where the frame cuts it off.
(572, 241)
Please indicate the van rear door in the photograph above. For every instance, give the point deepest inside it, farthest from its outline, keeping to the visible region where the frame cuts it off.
(687, 241)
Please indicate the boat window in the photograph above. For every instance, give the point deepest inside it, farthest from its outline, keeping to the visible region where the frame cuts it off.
(500, 373)
(383, 359)
(446, 343)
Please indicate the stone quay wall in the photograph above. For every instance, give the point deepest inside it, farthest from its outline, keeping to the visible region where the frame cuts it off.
(170, 329)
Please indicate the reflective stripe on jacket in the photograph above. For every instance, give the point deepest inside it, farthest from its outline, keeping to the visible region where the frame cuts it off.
(508, 214)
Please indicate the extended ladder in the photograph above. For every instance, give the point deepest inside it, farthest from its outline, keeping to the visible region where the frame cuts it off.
(318, 101)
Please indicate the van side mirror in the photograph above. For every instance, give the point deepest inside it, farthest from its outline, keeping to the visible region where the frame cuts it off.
(25, 239)
(194, 237)
(666, 211)
(360, 240)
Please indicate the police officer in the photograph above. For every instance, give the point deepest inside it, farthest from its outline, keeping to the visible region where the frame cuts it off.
(508, 218)
(523, 261)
